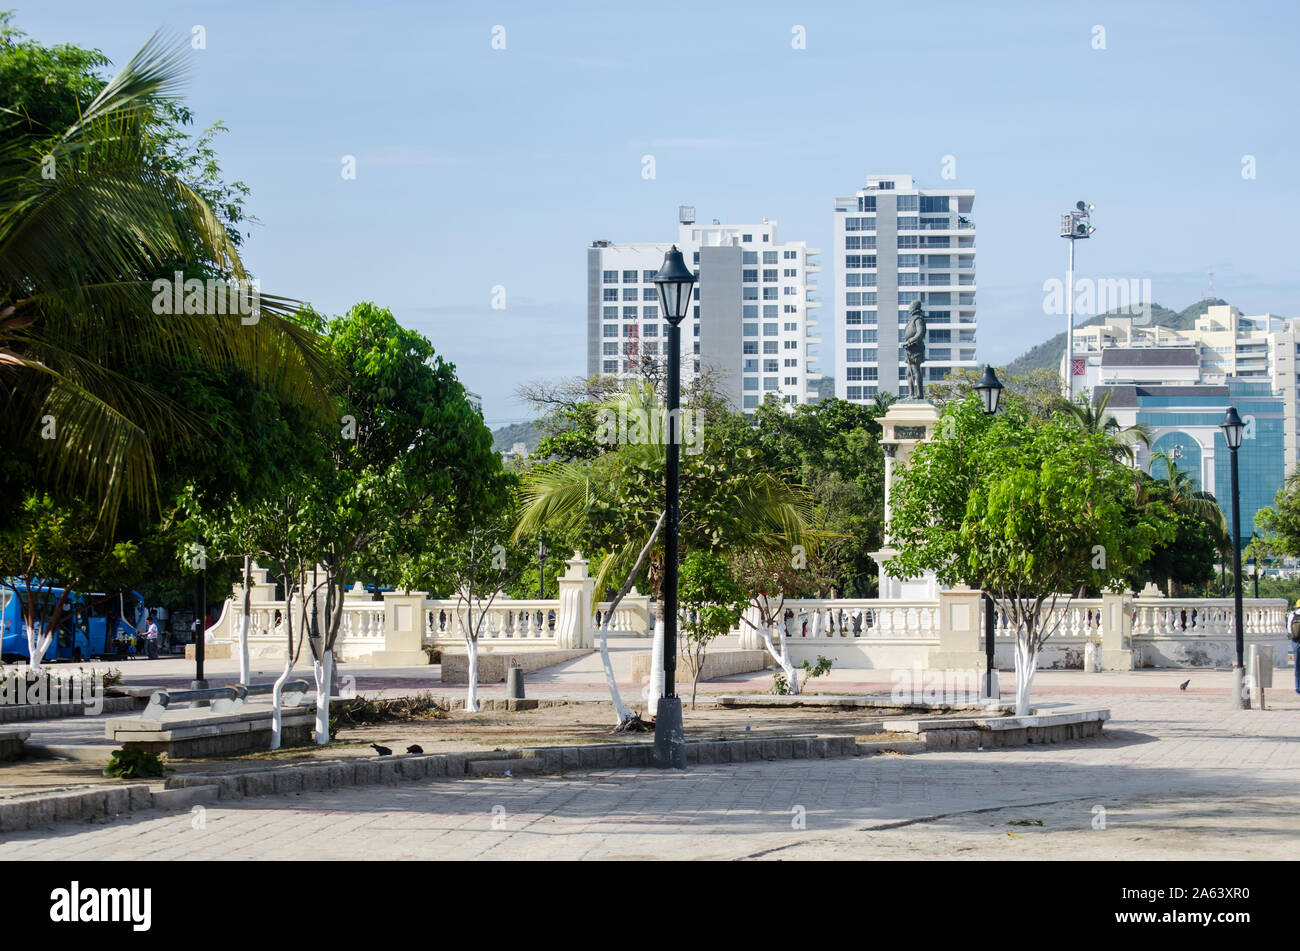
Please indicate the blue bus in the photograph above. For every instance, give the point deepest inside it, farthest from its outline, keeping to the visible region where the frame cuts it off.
(93, 626)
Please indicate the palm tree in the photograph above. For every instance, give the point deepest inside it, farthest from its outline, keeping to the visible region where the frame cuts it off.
(1178, 491)
(1091, 417)
(615, 504)
(89, 219)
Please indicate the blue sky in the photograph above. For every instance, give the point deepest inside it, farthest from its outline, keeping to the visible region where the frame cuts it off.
(479, 167)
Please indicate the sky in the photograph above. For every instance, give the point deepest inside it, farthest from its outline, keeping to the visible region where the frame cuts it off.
(479, 167)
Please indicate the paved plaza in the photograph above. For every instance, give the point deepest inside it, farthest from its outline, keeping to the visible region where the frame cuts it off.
(1176, 775)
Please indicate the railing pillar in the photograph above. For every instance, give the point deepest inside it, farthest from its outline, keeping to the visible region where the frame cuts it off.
(575, 623)
(1116, 630)
(960, 622)
(403, 631)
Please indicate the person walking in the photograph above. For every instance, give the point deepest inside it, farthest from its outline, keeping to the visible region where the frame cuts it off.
(151, 638)
(1293, 630)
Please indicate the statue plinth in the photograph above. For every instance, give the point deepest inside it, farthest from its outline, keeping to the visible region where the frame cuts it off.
(908, 423)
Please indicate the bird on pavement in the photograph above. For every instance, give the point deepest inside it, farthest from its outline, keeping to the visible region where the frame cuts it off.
(382, 750)
(1183, 685)
(415, 748)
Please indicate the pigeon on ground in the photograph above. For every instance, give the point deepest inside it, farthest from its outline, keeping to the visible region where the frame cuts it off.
(415, 748)
(382, 750)
(1183, 685)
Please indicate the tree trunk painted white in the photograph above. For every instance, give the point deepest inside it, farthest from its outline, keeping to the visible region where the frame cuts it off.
(1026, 662)
(655, 688)
(243, 628)
(38, 642)
(277, 711)
(324, 671)
(782, 658)
(471, 700)
(620, 709)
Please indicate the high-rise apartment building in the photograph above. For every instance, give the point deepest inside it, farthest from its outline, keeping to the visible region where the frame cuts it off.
(1224, 344)
(896, 243)
(751, 326)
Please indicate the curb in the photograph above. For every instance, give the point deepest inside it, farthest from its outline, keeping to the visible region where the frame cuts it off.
(182, 792)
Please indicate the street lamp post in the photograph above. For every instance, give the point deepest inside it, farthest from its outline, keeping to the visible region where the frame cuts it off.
(201, 614)
(1075, 225)
(990, 390)
(674, 282)
(1233, 428)
(541, 568)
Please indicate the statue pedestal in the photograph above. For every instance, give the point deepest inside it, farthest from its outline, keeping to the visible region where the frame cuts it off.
(907, 424)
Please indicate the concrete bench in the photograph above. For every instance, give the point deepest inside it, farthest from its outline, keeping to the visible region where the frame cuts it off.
(196, 733)
(225, 699)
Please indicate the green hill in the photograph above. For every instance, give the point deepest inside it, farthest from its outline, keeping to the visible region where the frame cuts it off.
(505, 438)
(1047, 355)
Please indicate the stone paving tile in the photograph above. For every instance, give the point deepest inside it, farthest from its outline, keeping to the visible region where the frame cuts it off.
(1192, 751)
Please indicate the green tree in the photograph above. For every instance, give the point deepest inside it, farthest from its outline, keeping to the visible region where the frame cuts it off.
(92, 213)
(1091, 417)
(612, 506)
(1027, 509)
(52, 551)
(710, 602)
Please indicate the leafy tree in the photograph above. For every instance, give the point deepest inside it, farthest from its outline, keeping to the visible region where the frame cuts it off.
(52, 546)
(710, 603)
(1029, 510)
(770, 577)
(611, 505)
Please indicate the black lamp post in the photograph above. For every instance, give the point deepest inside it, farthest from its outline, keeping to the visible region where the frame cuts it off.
(674, 281)
(541, 568)
(201, 613)
(990, 390)
(1233, 428)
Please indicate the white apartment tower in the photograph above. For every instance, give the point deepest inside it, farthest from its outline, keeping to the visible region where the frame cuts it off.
(895, 244)
(752, 320)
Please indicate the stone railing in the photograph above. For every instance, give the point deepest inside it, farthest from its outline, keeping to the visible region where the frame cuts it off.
(810, 619)
(1153, 631)
(396, 630)
(1125, 630)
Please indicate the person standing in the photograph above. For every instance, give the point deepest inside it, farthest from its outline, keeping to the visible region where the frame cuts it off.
(1293, 630)
(151, 638)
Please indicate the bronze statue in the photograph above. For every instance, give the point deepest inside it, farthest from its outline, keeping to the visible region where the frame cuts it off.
(914, 347)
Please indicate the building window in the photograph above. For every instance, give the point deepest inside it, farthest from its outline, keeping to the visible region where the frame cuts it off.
(855, 392)
(934, 204)
(750, 330)
(629, 313)
(750, 311)
(769, 346)
(853, 355)
(770, 257)
(792, 344)
(751, 383)
(648, 277)
(769, 293)
(611, 348)
(611, 366)
(629, 277)
(629, 293)
(769, 275)
(771, 383)
(791, 272)
(611, 330)
(769, 310)
(791, 363)
(867, 203)
(769, 330)
(853, 336)
(751, 402)
(750, 346)
(853, 316)
(609, 277)
(907, 202)
(611, 293)
(651, 330)
(791, 255)
(771, 366)
(908, 241)
(749, 293)
(790, 326)
(853, 373)
(751, 366)
(611, 313)
(747, 238)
